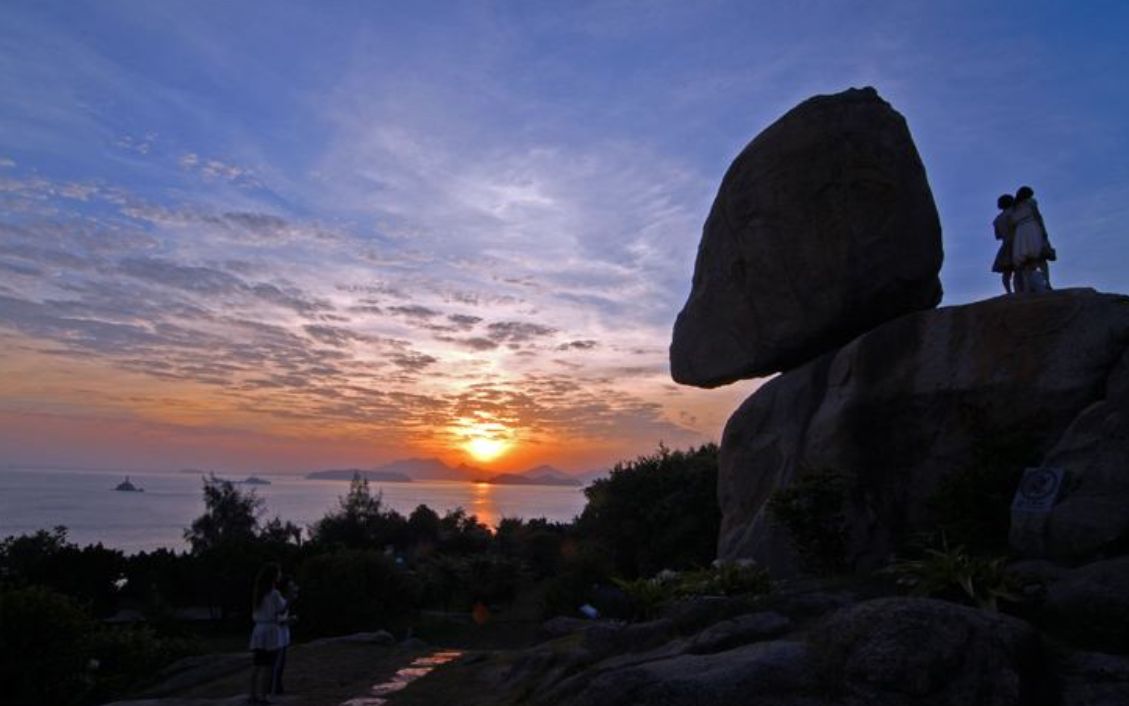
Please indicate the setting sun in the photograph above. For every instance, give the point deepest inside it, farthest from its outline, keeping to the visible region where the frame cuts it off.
(485, 448)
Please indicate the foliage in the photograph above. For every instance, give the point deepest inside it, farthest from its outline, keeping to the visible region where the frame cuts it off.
(972, 505)
(724, 579)
(658, 511)
(361, 522)
(350, 590)
(648, 596)
(584, 570)
(231, 516)
(490, 578)
(811, 510)
(954, 574)
(463, 534)
(128, 654)
(229, 545)
(46, 558)
(540, 544)
(44, 647)
(423, 530)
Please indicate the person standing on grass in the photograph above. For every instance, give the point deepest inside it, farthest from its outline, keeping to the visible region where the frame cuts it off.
(267, 607)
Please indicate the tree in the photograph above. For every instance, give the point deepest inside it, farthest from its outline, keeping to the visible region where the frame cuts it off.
(46, 558)
(360, 522)
(230, 544)
(656, 512)
(230, 516)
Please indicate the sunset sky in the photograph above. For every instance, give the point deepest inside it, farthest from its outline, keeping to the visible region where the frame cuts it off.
(286, 236)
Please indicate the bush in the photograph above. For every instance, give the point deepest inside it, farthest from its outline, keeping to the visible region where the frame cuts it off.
(656, 512)
(353, 590)
(44, 647)
(128, 655)
(538, 543)
(811, 510)
(955, 575)
(46, 558)
(972, 505)
(584, 570)
(649, 596)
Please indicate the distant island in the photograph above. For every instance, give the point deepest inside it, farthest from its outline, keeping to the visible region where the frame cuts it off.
(523, 479)
(348, 473)
(254, 480)
(429, 469)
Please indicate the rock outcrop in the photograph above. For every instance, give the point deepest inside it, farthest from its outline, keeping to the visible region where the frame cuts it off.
(922, 651)
(823, 228)
(903, 406)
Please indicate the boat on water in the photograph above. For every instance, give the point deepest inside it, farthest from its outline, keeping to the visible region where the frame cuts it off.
(126, 487)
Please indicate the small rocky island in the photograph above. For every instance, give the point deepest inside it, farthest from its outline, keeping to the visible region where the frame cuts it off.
(128, 487)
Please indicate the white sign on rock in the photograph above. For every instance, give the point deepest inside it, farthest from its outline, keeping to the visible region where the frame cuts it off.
(1038, 489)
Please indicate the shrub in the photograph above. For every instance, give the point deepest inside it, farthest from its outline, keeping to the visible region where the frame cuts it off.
(585, 569)
(648, 596)
(539, 543)
(656, 512)
(44, 647)
(353, 590)
(128, 655)
(46, 558)
(972, 505)
(953, 574)
(811, 510)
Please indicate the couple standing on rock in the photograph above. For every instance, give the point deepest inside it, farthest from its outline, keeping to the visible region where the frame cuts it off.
(1025, 248)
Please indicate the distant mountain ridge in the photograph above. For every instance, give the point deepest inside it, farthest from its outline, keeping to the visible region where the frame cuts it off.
(348, 473)
(423, 469)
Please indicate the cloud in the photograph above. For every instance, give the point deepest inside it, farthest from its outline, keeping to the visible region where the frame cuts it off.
(212, 169)
(414, 311)
(585, 345)
(476, 343)
(463, 321)
(517, 331)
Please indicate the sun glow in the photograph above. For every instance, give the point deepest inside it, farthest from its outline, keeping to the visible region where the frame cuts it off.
(483, 437)
(485, 448)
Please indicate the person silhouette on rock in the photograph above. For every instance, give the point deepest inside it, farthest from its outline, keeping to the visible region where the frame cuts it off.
(1031, 247)
(1002, 227)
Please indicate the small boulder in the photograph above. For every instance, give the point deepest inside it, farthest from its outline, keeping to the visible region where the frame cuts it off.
(743, 630)
(896, 651)
(823, 228)
(1090, 606)
(1094, 679)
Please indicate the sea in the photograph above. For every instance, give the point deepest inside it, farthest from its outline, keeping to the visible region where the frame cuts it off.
(86, 503)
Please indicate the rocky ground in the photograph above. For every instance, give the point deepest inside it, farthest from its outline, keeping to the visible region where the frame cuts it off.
(841, 642)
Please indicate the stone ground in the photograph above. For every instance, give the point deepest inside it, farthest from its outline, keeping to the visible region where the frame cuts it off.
(359, 672)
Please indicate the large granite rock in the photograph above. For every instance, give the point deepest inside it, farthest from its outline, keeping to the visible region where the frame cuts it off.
(1089, 606)
(918, 651)
(903, 406)
(1092, 516)
(823, 228)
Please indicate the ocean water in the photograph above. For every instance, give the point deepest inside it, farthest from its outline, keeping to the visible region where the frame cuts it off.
(86, 504)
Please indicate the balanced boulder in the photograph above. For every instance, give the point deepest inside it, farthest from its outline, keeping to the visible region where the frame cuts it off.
(823, 228)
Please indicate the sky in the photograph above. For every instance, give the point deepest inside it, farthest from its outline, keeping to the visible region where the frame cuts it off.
(277, 237)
